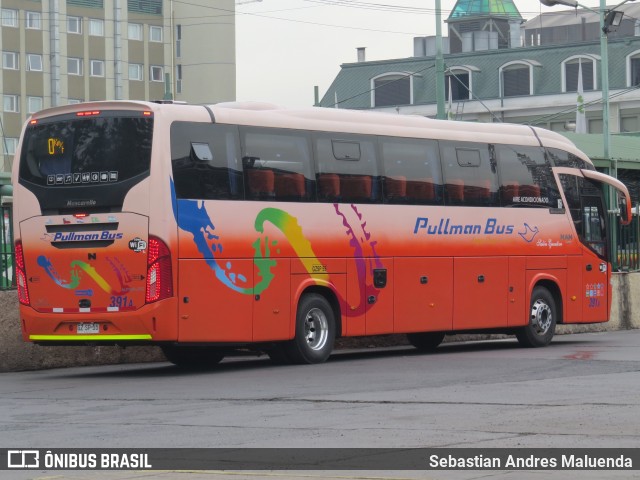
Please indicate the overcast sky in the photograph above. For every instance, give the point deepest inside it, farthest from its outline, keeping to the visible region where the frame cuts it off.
(285, 47)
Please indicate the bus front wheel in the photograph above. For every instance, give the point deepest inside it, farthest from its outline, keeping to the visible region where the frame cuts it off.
(542, 320)
(315, 331)
(192, 357)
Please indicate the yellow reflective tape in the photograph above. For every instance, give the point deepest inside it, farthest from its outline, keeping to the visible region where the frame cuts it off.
(37, 338)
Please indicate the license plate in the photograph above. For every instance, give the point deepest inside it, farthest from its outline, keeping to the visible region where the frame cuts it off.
(88, 328)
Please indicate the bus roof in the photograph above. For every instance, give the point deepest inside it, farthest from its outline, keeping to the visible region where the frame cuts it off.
(262, 114)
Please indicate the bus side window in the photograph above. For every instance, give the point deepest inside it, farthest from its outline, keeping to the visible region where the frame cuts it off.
(346, 169)
(470, 174)
(586, 203)
(561, 158)
(526, 179)
(277, 164)
(206, 162)
(412, 173)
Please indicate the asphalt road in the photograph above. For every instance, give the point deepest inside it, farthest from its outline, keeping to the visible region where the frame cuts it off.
(581, 391)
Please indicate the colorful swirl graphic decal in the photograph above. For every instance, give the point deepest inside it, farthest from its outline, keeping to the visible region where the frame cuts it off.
(191, 216)
(78, 266)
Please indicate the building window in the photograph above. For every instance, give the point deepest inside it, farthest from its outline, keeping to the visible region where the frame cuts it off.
(178, 78)
(155, 33)
(178, 40)
(157, 73)
(633, 69)
(629, 124)
(11, 103)
(9, 145)
(134, 31)
(391, 89)
(34, 62)
(34, 104)
(135, 71)
(10, 61)
(97, 68)
(74, 66)
(9, 18)
(516, 79)
(570, 68)
(460, 83)
(33, 20)
(74, 24)
(96, 27)
(74, 101)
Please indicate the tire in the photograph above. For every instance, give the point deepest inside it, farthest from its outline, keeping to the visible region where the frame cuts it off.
(192, 357)
(542, 320)
(425, 341)
(315, 331)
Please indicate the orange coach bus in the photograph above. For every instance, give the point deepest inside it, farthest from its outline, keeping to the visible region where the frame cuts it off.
(244, 226)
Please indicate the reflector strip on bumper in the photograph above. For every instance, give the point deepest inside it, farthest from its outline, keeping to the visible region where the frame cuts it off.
(86, 310)
(79, 338)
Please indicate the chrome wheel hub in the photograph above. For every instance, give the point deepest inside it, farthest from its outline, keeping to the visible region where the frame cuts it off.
(541, 317)
(316, 329)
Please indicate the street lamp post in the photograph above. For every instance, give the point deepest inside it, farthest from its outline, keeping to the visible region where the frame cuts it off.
(439, 64)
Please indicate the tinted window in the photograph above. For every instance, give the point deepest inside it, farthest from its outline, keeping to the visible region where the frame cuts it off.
(72, 151)
(392, 90)
(277, 165)
(470, 174)
(571, 75)
(515, 81)
(561, 158)
(585, 202)
(412, 171)
(206, 161)
(342, 179)
(459, 84)
(525, 177)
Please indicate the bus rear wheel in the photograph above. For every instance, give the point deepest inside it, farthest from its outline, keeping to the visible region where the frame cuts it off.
(542, 320)
(192, 357)
(425, 341)
(315, 331)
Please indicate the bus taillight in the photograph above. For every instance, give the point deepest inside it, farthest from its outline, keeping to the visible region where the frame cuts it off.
(159, 277)
(21, 276)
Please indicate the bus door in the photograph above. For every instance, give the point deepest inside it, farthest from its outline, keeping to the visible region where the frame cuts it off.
(584, 196)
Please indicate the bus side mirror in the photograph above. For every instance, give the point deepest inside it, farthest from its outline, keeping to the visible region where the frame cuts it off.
(625, 212)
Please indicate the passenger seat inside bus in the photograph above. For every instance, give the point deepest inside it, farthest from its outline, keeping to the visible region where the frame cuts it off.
(455, 192)
(356, 188)
(261, 184)
(509, 192)
(530, 191)
(289, 186)
(395, 189)
(421, 190)
(328, 187)
(478, 194)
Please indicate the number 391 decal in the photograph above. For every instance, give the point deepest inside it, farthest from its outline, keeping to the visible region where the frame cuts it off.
(121, 302)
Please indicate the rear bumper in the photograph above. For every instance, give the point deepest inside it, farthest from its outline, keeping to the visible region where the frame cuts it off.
(156, 322)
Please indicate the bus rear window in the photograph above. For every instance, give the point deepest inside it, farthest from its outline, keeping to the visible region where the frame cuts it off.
(72, 151)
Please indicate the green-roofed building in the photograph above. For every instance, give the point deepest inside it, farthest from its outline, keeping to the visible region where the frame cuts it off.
(526, 74)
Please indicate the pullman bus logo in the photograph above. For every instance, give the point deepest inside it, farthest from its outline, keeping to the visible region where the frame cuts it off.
(23, 459)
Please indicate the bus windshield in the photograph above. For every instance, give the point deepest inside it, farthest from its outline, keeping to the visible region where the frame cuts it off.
(74, 153)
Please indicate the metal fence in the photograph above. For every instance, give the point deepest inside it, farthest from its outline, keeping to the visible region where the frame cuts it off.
(7, 265)
(627, 245)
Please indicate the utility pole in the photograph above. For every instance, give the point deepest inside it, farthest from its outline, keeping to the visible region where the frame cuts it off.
(439, 64)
